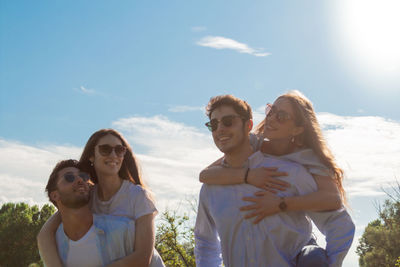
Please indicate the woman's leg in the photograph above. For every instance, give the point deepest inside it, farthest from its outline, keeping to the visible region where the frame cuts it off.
(312, 255)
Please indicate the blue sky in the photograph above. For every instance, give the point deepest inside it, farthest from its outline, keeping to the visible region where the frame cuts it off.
(144, 58)
(148, 69)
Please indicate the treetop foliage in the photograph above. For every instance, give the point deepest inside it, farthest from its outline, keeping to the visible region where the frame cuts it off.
(19, 226)
(380, 242)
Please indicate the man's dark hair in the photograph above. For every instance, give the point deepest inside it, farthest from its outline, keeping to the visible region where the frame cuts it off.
(240, 106)
(53, 179)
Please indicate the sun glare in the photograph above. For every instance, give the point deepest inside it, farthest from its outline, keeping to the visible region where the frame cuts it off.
(370, 31)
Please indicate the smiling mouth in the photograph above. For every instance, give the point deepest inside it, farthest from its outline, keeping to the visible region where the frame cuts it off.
(223, 138)
(81, 189)
(111, 163)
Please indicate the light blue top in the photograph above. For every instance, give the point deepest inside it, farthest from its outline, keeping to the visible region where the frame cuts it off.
(222, 233)
(114, 238)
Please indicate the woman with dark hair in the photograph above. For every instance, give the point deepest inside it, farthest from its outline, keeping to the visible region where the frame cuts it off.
(118, 190)
(292, 133)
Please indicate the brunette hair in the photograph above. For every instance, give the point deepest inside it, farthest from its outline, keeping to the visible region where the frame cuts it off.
(311, 137)
(240, 106)
(53, 179)
(130, 169)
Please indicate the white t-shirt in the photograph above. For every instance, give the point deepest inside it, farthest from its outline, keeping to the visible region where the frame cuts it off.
(130, 201)
(84, 251)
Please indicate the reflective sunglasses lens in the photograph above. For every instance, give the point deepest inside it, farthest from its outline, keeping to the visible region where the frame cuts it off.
(208, 125)
(120, 150)
(105, 150)
(214, 124)
(85, 177)
(69, 177)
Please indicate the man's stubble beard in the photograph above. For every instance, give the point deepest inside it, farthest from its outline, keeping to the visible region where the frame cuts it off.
(75, 202)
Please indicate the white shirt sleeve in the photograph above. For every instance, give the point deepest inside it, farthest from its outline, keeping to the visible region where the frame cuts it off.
(339, 229)
(143, 204)
(337, 226)
(208, 248)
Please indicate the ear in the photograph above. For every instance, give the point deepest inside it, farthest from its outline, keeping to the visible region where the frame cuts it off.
(91, 159)
(298, 130)
(55, 195)
(248, 125)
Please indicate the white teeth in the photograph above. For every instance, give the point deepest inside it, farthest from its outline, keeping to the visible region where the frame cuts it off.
(223, 138)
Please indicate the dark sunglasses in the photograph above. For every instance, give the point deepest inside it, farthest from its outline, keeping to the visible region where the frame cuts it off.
(70, 177)
(106, 150)
(227, 121)
(280, 115)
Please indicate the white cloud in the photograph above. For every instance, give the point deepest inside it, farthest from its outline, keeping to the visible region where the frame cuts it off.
(367, 148)
(198, 29)
(185, 109)
(24, 169)
(85, 90)
(219, 42)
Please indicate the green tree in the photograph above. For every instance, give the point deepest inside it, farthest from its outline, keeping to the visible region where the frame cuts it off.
(19, 225)
(175, 240)
(380, 242)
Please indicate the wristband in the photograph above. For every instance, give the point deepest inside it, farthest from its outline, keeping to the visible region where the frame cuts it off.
(282, 206)
(246, 176)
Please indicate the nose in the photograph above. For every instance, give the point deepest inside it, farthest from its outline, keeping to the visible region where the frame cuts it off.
(79, 179)
(113, 153)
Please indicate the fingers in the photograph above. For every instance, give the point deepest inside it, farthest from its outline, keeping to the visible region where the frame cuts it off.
(274, 186)
(251, 199)
(249, 207)
(277, 174)
(270, 168)
(278, 182)
(251, 215)
(260, 193)
(266, 188)
(259, 218)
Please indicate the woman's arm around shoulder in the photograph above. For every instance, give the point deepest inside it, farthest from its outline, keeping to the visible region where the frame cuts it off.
(47, 241)
(326, 198)
(262, 177)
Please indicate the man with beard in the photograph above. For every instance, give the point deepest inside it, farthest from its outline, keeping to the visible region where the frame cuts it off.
(222, 234)
(84, 238)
